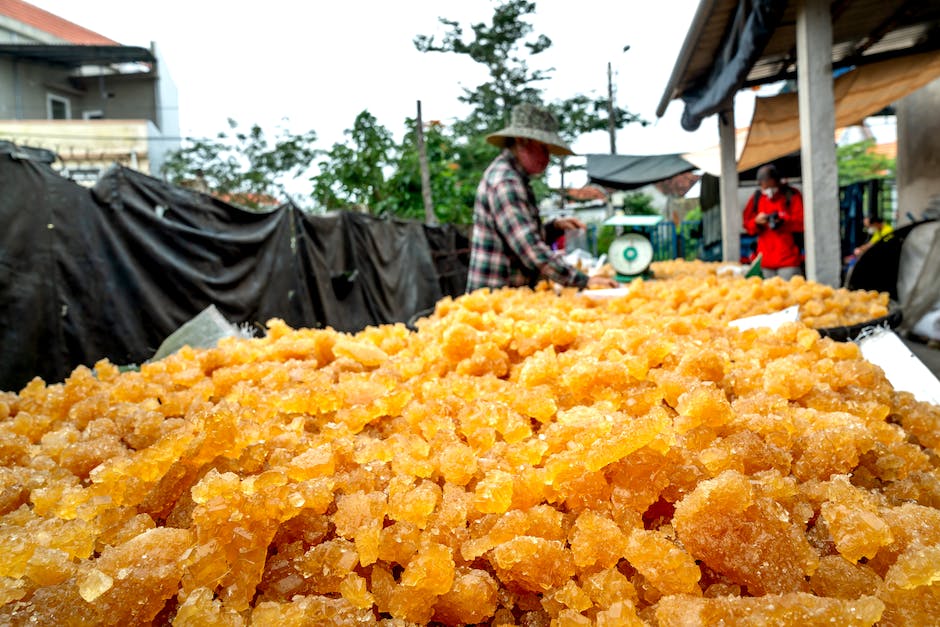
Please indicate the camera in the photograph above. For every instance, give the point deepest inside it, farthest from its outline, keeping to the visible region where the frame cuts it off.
(774, 221)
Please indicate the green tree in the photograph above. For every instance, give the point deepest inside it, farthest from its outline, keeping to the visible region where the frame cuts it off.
(352, 173)
(583, 114)
(506, 46)
(694, 214)
(498, 46)
(451, 190)
(858, 162)
(245, 167)
(638, 204)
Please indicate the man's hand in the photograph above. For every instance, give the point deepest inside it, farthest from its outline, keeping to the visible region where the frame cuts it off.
(761, 218)
(601, 282)
(568, 224)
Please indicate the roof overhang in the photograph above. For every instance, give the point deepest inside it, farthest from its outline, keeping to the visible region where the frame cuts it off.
(77, 55)
(863, 32)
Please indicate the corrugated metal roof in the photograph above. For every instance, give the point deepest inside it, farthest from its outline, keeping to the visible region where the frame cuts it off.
(864, 31)
(52, 24)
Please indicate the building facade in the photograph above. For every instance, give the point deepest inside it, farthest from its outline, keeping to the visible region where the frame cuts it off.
(82, 95)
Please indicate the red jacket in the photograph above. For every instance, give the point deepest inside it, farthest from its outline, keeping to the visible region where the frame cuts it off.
(778, 246)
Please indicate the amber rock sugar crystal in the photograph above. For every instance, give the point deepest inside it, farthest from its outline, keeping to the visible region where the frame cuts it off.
(523, 458)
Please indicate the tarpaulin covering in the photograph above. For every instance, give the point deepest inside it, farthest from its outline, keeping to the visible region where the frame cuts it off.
(632, 171)
(918, 287)
(775, 128)
(111, 272)
(752, 27)
(904, 264)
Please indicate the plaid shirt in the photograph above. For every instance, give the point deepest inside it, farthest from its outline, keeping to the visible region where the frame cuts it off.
(508, 249)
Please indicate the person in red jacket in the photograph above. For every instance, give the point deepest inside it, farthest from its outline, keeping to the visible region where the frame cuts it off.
(775, 215)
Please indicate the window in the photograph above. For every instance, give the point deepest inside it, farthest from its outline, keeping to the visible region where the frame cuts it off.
(84, 176)
(58, 108)
(94, 114)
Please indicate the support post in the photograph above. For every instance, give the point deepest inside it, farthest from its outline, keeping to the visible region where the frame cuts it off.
(429, 216)
(728, 184)
(918, 153)
(611, 111)
(817, 139)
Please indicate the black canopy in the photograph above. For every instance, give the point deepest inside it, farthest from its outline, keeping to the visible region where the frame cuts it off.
(632, 171)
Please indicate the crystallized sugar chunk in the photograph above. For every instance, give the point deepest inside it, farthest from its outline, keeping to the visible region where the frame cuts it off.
(749, 538)
(775, 609)
(526, 457)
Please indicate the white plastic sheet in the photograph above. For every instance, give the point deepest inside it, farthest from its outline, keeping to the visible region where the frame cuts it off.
(904, 370)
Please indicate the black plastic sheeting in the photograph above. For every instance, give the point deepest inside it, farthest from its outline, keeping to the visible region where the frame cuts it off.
(633, 171)
(749, 32)
(877, 269)
(111, 272)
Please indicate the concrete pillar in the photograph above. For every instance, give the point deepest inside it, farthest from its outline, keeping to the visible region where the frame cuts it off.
(731, 210)
(817, 138)
(918, 166)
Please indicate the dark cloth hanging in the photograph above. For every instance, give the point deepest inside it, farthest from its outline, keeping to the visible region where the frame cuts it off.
(748, 34)
(112, 271)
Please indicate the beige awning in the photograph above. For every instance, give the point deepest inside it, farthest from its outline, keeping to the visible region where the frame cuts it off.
(709, 159)
(775, 128)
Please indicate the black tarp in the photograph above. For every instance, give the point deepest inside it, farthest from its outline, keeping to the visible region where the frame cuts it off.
(877, 269)
(633, 171)
(752, 27)
(111, 272)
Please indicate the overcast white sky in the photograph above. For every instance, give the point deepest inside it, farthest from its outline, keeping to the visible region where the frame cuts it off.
(316, 65)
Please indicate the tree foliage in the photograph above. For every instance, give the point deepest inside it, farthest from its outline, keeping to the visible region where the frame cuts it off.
(498, 46)
(506, 46)
(368, 170)
(243, 166)
(638, 204)
(859, 162)
(352, 172)
(451, 188)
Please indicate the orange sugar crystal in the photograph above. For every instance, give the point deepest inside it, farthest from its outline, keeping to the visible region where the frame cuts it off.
(526, 457)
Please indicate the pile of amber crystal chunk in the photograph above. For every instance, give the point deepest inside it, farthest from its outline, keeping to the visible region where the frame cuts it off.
(524, 458)
(678, 268)
(691, 288)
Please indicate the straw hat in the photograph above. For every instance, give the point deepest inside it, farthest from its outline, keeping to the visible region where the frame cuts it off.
(532, 122)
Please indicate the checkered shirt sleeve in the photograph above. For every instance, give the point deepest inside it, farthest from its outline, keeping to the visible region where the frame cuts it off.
(508, 248)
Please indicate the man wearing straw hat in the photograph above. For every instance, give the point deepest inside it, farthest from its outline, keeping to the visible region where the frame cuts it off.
(508, 247)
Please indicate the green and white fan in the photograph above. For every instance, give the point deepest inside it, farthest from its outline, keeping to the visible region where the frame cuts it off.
(630, 254)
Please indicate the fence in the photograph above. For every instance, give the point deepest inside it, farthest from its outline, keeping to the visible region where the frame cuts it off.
(663, 237)
(668, 242)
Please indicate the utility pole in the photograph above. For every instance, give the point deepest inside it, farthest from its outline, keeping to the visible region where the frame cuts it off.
(611, 107)
(611, 115)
